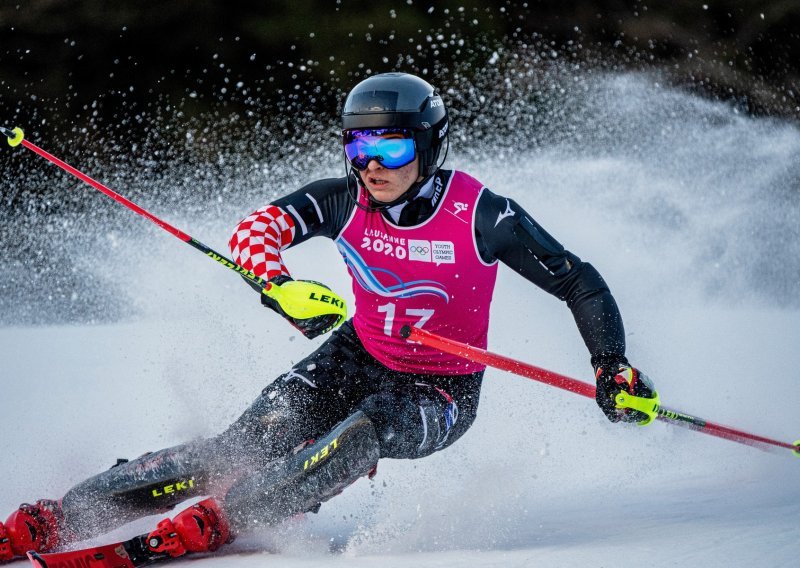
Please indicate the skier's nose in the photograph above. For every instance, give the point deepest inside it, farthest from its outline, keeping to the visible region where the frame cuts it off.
(374, 165)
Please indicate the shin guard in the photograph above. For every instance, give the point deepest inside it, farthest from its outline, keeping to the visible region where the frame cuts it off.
(301, 481)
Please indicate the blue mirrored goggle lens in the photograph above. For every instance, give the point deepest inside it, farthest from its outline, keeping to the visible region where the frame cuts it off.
(392, 153)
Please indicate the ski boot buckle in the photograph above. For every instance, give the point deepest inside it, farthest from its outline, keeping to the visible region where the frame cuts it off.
(165, 539)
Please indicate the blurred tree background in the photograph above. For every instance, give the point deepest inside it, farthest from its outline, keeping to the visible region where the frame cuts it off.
(97, 64)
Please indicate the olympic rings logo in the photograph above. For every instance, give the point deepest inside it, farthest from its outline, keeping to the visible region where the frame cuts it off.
(418, 249)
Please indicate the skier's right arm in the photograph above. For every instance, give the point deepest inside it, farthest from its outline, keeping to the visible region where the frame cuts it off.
(320, 208)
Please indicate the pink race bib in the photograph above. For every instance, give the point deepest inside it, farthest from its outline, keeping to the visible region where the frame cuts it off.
(429, 276)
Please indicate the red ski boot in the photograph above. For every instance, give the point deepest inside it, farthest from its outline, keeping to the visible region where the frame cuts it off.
(200, 528)
(5, 545)
(35, 527)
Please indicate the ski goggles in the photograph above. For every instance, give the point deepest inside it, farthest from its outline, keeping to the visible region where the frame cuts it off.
(392, 147)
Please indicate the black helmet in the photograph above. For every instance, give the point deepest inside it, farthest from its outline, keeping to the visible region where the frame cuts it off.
(400, 100)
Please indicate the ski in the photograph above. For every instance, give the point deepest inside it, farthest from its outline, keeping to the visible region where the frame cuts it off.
(127, 554)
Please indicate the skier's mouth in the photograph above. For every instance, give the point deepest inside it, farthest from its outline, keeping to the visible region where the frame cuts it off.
(376, 181)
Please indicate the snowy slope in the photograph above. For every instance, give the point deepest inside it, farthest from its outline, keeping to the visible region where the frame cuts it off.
(687, 213)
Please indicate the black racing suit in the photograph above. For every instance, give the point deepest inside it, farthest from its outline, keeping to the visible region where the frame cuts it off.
(308, 412)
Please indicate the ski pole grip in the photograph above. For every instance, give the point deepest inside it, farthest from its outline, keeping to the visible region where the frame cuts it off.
(796, 444)
(303, 299)
(648, 406)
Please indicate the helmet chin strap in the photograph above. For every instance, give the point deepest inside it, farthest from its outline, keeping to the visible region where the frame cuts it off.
(409, 194)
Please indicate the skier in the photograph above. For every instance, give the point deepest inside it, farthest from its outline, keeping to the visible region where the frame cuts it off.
(422, 245)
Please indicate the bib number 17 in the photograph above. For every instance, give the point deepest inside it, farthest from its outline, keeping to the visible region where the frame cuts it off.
(390, 309)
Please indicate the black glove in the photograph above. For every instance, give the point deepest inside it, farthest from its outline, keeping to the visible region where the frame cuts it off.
(311, 327)
(614, 375)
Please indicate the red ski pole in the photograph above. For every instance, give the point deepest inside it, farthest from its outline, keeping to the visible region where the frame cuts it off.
(478, 355)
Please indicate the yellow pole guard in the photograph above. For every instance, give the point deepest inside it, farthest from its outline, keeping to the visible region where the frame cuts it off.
(17, 139)
(796, 444)
(648, 406)
(302, 299)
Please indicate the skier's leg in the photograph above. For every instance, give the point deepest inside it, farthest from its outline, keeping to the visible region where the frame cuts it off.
(407, 419)
(414, 419)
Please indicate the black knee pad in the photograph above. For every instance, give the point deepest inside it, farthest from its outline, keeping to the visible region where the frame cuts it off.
(407, 427)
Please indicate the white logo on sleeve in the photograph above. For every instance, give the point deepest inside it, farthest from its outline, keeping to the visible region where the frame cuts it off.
(507, 213)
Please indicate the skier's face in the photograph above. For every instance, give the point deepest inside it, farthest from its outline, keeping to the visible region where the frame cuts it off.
(386, 185)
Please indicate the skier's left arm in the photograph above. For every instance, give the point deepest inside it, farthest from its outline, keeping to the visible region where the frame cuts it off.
(505, 231)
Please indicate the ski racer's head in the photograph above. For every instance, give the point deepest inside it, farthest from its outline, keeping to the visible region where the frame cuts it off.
(393, 128)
